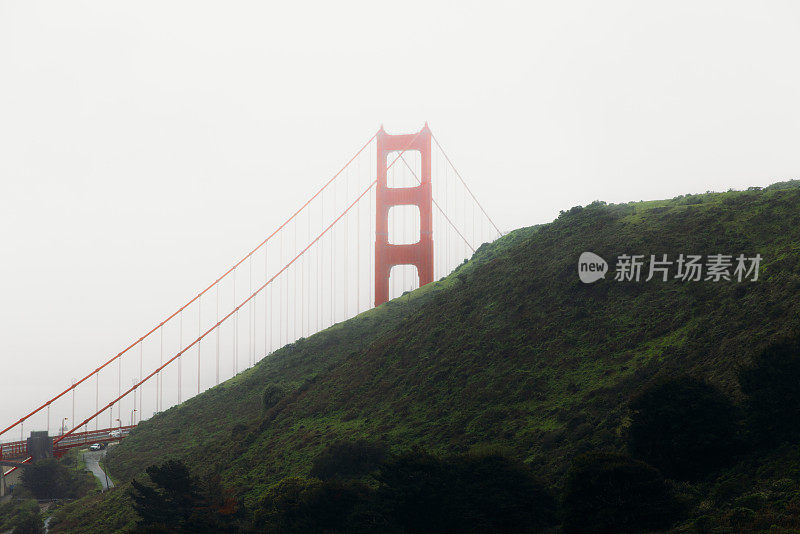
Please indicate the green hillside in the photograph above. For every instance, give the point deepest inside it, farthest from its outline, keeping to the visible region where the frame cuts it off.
(512, 352)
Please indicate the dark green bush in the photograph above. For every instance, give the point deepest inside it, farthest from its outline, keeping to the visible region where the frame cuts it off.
(614, 494)
(29, 522)
(771, 384)
(273, 395)
(463, 494)
(301, 505)
(348, 459)
(175, 501)
(48, 479)
(684, 427)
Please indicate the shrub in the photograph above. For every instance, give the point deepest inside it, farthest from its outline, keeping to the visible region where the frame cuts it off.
(422, 493)
(238, 431)
(684, 427)
(273, 395)
(29, 522)
(48, 479)
(771, 384)
(176, 502)
(300, 505)
(348, 459)
(613, 493)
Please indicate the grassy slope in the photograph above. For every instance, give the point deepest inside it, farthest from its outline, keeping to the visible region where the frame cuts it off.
(510, 350)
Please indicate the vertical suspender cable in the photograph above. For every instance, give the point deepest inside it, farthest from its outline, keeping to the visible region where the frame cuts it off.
(266, 316)
(294, 282)
(318, 285)
(346, 239)
(199, 332)
(466, 205)
(281, 317)
(320, 252)
(458, 174)
(404, 230)
(233, 328)
(216, 320)
(358, 240)
(372, 238)
(286, 300)
(251, 317)
(141, 368)
(72, 421)
(180, 358)
(333, 259)
(308, 275)
(438, 230)
(447, 208)
(271, 318)
(160, 375)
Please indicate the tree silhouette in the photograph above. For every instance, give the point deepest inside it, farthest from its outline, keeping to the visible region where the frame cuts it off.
(772, 386)
(684, 427)
(613, 493)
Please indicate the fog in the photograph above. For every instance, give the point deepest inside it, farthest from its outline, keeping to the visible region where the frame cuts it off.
(146, 146)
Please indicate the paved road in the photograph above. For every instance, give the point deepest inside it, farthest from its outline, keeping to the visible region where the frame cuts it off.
(92, 458)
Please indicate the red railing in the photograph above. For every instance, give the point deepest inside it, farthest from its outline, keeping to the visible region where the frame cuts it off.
(19, 449)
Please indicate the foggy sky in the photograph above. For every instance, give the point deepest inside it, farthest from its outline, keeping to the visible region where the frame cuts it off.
(145, 146)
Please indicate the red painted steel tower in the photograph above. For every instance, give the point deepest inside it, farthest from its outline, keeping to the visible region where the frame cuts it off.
(419, 254)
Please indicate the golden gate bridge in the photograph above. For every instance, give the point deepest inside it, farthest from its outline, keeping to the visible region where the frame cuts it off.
(398, 215)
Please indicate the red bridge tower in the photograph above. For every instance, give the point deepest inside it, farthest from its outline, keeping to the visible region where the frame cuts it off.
(419, 254)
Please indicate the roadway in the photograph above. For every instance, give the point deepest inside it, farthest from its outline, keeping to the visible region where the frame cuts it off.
(92, 459)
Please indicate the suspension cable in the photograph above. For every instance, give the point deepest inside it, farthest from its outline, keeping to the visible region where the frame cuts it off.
(248, 299)
(465, 184)
(439, 207)
(108, 362)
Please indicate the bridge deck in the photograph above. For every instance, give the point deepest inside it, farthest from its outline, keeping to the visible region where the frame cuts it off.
(19, 449)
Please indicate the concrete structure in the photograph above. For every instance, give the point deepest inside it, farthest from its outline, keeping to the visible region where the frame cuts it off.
(419, 254)
(40, 445)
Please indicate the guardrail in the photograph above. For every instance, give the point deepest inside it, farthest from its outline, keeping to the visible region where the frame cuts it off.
(19, 449)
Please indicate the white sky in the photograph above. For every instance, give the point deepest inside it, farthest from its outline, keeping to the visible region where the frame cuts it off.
(144, 146)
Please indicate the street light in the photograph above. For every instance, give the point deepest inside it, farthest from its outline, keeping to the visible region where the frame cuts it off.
(63, 425)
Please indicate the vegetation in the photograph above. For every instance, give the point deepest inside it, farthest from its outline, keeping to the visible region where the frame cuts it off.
(615, 494)
(512, 351)
(772, 387)
(684, 427)
(348, 459)
(463, 494)
(273, 395)
(175, 501)
(21, 516)
(297, 505)
(52, 479)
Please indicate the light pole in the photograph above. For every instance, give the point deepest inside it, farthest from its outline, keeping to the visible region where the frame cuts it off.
(64, 425)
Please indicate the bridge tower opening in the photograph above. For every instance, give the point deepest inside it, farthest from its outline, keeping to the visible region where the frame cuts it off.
(419, 254)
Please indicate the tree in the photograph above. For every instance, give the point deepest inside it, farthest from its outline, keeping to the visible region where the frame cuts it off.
(423, 493)
(29, 522)
(299, 505)
(684, 427)
(175, 501)
(48, 479)
(771, 384)
(348, 459)
(613, 493)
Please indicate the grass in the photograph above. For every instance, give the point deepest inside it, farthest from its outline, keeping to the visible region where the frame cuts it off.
(510, 351)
